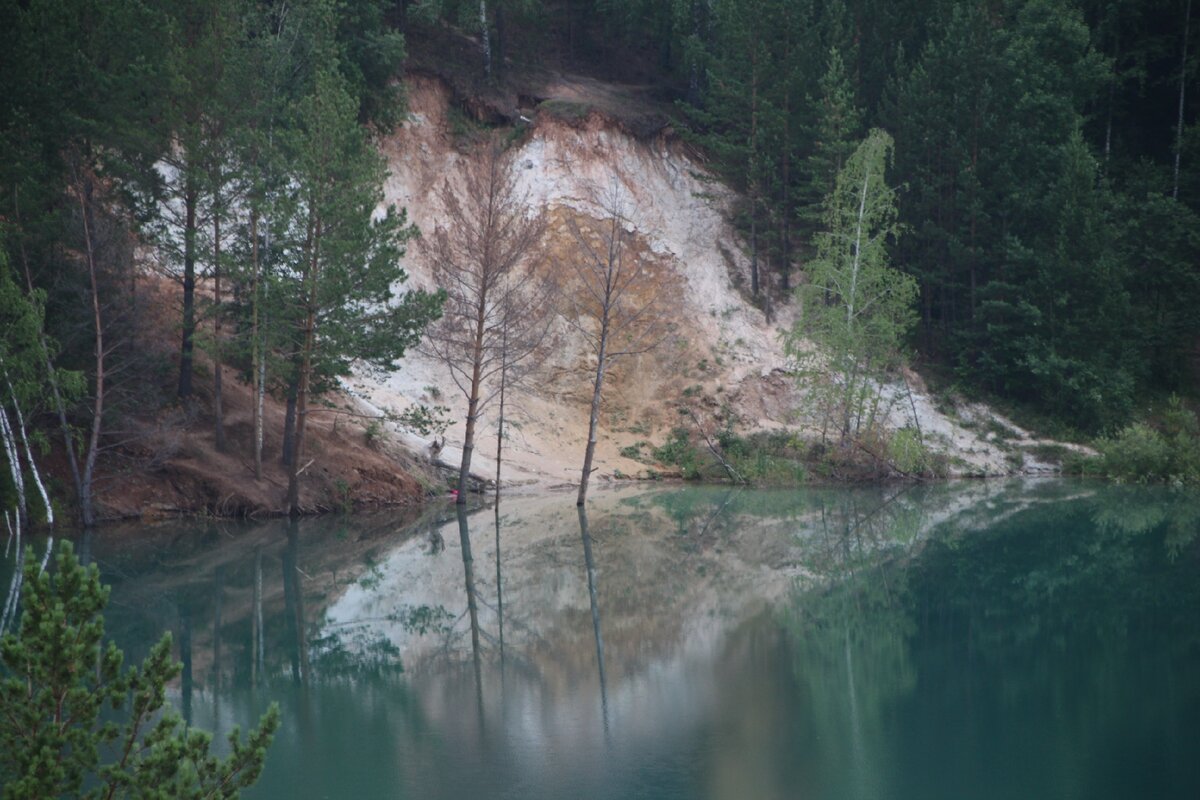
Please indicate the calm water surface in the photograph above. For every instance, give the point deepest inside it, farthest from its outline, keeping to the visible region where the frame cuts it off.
(996, 640)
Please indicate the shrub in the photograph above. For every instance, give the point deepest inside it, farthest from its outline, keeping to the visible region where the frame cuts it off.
(679, 451)
(907, 453)
(1143, 454)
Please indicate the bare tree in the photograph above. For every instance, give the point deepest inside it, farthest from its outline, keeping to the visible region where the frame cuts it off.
(613, 301)
(485, 257)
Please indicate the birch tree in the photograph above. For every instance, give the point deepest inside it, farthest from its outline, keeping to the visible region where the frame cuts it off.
(855, 308)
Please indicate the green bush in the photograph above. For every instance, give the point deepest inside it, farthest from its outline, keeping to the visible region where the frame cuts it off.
(679, 451)
(907, 453)
(1141, 453)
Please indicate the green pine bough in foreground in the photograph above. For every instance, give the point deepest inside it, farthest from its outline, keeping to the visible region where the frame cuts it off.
(56, 677)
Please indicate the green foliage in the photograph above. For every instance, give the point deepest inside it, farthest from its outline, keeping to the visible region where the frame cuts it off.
(908, 453)
(1141, 453)
(58, 678)
(854, 306)
(838, 129)
(634, 451)
(679, 451)
(425, 420)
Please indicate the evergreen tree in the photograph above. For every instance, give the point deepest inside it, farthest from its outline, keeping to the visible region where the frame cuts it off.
(57, 683)
(344, 264)
(838, 122)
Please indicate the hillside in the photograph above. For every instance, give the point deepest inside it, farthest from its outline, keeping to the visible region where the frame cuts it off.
(724, 356)
(182, 187)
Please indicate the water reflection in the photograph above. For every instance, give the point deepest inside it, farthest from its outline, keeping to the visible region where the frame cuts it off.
(468, 563)
(982, 640)
(590, 566)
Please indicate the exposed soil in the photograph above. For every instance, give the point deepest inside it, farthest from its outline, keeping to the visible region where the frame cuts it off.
(170, 464)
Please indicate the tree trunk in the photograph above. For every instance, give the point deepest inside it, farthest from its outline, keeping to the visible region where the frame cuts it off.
(501, 39)
(594, 416)
(485, 38)
(87, 510)
(287, 451)
(753, 246)
(51, 376)
(500, 423)
(190, 195)
(310, 324)
(754, 165)
(255, 356)
(1187, 20)
(218, 410)
(464, 469)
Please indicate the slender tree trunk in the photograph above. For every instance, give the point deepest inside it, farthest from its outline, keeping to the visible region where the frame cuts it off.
(485, 38)
(293, 498)
(288, 450)
(33, 470)
(1187, 21)
(786, 216)
(753, 245)
(190, 196)
(218, 409)
(60, 408)
(754, 278)
(87, 509)
(500, 423)
(501, 39)
(464, 469)
(594, 416)
(255, 356)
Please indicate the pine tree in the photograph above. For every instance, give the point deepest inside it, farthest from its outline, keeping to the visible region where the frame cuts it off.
(344, 264)
(838, 123)
(59, 684)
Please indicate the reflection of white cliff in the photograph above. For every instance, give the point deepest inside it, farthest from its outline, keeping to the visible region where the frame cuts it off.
(670, 595)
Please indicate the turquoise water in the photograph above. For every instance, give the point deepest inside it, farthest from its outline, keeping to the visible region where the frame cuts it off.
(986, 640)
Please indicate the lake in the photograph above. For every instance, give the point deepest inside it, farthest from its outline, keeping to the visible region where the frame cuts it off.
(1020, 639)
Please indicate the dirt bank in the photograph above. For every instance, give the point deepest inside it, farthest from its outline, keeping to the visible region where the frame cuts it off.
(167, 462)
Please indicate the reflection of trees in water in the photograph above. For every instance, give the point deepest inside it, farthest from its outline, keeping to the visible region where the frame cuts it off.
(1064, 610)
(851, 636)
(594, 601)
(247, 601)
(468, 561)
(1137, 510)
